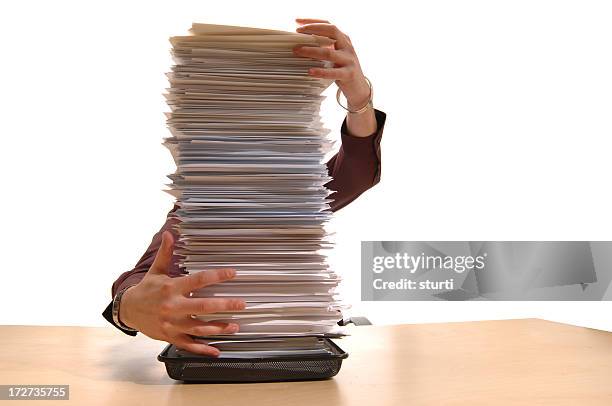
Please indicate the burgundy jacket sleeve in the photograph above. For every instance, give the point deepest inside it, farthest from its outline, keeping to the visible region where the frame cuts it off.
(356, 166)
(355, 169)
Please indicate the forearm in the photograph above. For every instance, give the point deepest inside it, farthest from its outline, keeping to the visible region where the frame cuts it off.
(361, 124)
(364, 123)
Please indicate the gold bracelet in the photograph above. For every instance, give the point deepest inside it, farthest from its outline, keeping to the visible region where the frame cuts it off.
(364, 108)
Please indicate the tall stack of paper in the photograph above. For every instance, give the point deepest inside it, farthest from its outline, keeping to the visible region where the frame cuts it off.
(249, 148)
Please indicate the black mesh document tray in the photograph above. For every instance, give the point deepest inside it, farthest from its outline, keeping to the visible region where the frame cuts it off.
(197, 368)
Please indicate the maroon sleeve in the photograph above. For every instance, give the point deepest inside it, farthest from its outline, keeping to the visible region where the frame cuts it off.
(356, 166)
(355, 169)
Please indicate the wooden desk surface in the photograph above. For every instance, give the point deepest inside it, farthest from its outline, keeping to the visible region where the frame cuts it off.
(511, 362)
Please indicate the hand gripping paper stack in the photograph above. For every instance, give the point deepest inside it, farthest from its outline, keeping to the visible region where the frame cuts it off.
(249, 147)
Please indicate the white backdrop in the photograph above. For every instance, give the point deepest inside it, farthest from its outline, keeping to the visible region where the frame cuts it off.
(499, 125)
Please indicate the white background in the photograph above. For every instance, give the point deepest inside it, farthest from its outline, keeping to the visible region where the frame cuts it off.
(499, 125)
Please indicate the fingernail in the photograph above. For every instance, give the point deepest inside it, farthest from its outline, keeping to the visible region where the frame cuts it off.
(232, 328)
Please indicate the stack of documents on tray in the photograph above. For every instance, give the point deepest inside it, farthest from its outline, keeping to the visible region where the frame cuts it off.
(249, 148)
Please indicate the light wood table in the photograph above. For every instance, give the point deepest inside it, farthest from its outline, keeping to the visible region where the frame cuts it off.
(511, 362)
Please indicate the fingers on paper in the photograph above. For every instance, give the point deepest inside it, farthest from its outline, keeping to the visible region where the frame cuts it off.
(200, 328)
(323, 54)
(187, 343)
(331, 73)
(210, 305)
(326, 30)
(303, 21)
(201, 279)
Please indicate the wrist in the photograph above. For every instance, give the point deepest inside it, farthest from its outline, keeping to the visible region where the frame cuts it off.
(125, 305)
(357, 94)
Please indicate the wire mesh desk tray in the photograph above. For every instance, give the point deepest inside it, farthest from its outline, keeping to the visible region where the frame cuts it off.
(189, 367)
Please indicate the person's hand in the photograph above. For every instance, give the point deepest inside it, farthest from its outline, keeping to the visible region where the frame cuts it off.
(346, 70)
(160, 307)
